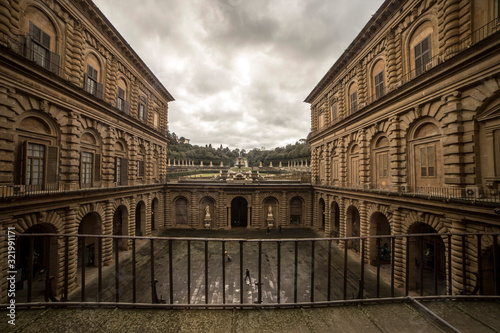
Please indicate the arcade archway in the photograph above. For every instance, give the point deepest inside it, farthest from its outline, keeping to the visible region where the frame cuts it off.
(140, 218)
(90, 225)
(335, 220)
(239, 212)
(379, 226)
(353, 227)
(120, 226)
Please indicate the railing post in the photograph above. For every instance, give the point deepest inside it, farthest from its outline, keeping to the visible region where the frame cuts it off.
(241, 272)
(407, 282)
(295, 272)
(170, 271)
(99, 269)
(312, 270)
(480, 265)
(259, 289)
(206, 272)
(117, 272)
(278, 264)
(82, 265)
(223, 272)
(66, 268)
(328, 292)
(345, 268)
(152, 263)
(134, 273)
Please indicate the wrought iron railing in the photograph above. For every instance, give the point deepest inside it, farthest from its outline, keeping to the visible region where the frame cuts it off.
(247, 273)
(460, 194)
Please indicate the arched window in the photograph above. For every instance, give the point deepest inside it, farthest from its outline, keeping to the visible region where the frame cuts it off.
(427, 155)
(38, 153)
(40, 46)
(90, 161)
(121, 97)
(380, 163)
(140, 163)
(92, 78)
(142, 111)
(378, 79)
(422, 47)
(181, 211)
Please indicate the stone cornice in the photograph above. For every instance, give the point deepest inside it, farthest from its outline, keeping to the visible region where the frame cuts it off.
(101, 23)
(378, 19)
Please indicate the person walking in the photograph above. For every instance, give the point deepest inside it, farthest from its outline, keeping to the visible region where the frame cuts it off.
(247, 276)
(279, 228)
(227, 255)
(268, 231)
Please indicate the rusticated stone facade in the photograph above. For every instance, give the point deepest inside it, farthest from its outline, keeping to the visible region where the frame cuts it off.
(83, 125)
(406, 129)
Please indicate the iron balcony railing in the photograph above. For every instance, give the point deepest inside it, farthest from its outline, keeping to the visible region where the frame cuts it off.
(472, 195)
(247, 273)
(17, 191)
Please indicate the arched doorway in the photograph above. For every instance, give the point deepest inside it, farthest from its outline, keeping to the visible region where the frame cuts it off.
(296, 211)
(120, 226)
(154, 214)
(90, 225)
(488, 270)
(427, 259)
(379, 226)
(181, 212)
(335, 220)
(44, 258)
(322, 212)
(140, 218)
(352, 227)
(239, 212)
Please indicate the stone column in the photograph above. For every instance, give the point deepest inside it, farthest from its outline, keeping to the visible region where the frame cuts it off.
(107, 229)
(328, 203)
(342, 219)
(71, 228)
(342, 163)
(364, 163)
(364, 226)
(397, 155)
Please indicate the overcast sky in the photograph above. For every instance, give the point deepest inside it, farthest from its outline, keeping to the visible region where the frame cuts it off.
(239, 70)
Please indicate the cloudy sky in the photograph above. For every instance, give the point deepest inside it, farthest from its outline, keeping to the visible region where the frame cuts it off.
(239, 70)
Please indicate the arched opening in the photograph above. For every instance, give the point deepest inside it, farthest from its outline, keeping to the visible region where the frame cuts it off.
(239, 212)
(427, 260)
(335, 220)
(44, 258)
(270, 212)
(181, 211)
(120, 226)
(140, 218)
(296, 211)
(380, 177)
(90, 225)
(207, 212)
(488, 270)
(322, 212)
(379, 226)
(352, 227)
(154, 214)
(427, 157)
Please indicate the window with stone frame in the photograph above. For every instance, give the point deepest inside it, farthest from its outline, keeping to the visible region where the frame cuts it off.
(353, 101)
(428, 161)
(120, 99)
(423, 55)
(353, 166)
(40, 46)
(156, 120)
(379, 85)
(91, 79)
(334, 113)
(90, 161)
(121, 164)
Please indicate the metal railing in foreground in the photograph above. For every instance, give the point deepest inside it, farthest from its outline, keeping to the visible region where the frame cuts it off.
(64, 270)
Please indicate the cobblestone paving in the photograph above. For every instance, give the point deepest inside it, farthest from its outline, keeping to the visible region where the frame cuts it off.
(233, 271)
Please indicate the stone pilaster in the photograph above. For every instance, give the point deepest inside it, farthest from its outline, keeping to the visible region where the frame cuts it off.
(362, 87)
(400, 249)
(364, 226)
(397, 155)
(364, 162)
(108, 160)
(110, 89)
(342, 218)
(342, 163)
(75, 53)
(390, 53)
(107, 224)
(70, 153)
(71, 228)
(328, 203)
(457, 274)
(131, 217)
(449, 26)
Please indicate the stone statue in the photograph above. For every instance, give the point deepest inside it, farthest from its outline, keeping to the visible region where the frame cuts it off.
(207, 212)
(270, 211)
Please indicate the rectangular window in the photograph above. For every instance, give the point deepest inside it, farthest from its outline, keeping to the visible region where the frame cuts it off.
(40, 46)
(423, 55)
(120, 99)
(321, 120)
(382, 165)
(379, 85)
(354, 102)
(334, 113)
(496, 147)
(35, 167)
(141, 111)
(87, 167)
(118, 170)
(428, 161)
(156, 120)
(91, 80)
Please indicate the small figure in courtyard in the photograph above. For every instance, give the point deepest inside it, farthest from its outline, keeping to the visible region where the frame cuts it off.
(228, 256)
(279, 228)
(268, 231)
(247, 276)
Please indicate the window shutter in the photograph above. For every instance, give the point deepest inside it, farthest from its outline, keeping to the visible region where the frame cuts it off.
(97, 167)
(496, 145)
(126, 107)
(121, 93)
(24, 162)
(85, 83)
(54, 63)
(99, 90)
(124, 172)
(45, 40)
(35, 33)
(52, 164)
(141, 174)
